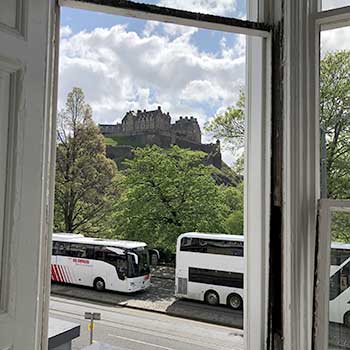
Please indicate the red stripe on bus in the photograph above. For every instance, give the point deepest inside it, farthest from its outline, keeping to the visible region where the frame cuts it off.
(54, 275)
(66, 274)
(61, 272)
(59, 278)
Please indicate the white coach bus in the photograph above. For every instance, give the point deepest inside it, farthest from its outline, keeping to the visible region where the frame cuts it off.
(210, 268)
(339, 286)
(121, 266)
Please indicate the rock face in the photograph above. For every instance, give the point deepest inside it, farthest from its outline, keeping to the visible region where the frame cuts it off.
(142, 128)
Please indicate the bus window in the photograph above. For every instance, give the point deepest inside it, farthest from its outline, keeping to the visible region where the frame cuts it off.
(212, 246)
(63, 248)
(339, 282)
(119, 262)
(77, 250)
(90, 252)
(338, 256)
(55, 247)
(99, 252)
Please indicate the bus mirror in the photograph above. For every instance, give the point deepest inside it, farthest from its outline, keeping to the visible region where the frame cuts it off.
(118, 251)
(135, 257)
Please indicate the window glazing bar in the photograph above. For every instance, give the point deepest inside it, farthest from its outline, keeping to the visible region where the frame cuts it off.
(169, 15)
(335, 18)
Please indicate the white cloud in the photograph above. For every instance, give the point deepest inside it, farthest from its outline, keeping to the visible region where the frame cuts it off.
(120, 70)
(65, 31)
(335, 39)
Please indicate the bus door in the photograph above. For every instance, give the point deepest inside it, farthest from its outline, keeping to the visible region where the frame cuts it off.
(118, 258)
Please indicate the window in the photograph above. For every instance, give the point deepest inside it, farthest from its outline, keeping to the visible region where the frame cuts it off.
(212, 246)
(333, 266)
(333, 4)
(215, 277)
(77, 250)
(119, 262)
(258, 135)
(338, 256)
(339, 282)
(227, 8)
(62, 248)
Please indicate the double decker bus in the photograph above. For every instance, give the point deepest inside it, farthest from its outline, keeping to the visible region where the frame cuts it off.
(210, 268)
(121, 266)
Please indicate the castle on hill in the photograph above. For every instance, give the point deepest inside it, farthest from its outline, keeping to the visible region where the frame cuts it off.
(142, 128)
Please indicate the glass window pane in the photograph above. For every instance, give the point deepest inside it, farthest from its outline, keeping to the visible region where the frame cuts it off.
(226, 8)
(332, 4)
(157, 84)
(339, 285)
(335, 113)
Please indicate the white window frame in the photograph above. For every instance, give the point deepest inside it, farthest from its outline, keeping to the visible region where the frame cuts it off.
(324, 20)
(258, 160)
(321, 325)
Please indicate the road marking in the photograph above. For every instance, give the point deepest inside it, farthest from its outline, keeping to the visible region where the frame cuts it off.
(141, 342)
(120, 326)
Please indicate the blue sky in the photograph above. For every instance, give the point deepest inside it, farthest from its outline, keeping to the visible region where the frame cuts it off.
(127, 64)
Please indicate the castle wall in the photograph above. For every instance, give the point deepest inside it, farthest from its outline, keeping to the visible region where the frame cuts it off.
(154, 128)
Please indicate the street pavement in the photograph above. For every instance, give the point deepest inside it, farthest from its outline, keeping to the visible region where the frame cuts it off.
(159, 298)
(339, 337)
(132, 329)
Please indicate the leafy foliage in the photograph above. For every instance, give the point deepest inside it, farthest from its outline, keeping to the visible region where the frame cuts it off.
(85, 178)
(234, 200)
(229, 126)
(340, 226)
(168, 192)
(335, 120)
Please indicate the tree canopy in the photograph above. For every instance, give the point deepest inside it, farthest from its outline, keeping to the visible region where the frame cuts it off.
(85, 178)
(229, 126)
(335, 120)
(168, 192)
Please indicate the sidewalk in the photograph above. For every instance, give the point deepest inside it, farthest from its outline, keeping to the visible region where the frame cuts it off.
(158, 298)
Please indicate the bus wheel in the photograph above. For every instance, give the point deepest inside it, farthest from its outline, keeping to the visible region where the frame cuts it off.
(234, 301)
(211, 297)
(99, 284)
(347, 319)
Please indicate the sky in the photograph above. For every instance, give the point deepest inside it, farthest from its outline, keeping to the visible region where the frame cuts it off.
(127, 64)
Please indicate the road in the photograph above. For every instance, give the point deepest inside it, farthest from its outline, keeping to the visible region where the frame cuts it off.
(142, 330)
(339, 337)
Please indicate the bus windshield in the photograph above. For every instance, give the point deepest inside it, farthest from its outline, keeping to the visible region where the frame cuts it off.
(138, 262)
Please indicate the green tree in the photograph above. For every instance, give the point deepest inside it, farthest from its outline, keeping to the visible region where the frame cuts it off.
(168, 192)
(335, 120)
(85, 185)
(229, 126)
(233, 196)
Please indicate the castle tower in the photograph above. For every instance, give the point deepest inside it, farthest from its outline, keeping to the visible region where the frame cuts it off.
(187, 129)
